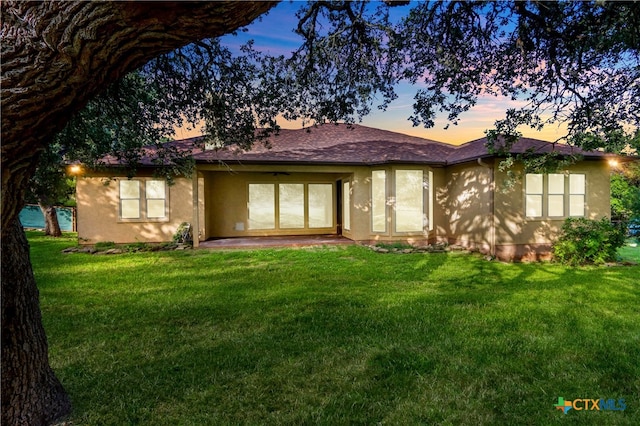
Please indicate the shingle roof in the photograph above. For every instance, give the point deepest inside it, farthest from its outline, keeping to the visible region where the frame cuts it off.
(478, 149)
(337, 144)
(356, 144)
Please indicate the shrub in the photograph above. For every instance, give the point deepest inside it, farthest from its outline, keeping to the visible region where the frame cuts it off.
(583, 241)
(184, 234)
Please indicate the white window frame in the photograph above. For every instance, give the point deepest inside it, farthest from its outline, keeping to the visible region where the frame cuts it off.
(379, 206)
(346, 205)
(577, 194)
(573, 193)
(424, 197)
(277, 222)
(144, 194)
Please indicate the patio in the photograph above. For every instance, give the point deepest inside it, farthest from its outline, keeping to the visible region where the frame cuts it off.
(275, 241)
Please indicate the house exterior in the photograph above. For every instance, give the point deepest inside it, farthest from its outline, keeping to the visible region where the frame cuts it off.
(366, 184)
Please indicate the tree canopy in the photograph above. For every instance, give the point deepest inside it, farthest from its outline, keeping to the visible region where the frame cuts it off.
(570, 63)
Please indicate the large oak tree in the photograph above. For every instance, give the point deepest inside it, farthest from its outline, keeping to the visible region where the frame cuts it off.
(55, 57)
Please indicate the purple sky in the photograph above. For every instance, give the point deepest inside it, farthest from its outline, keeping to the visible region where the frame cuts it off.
(273, 33)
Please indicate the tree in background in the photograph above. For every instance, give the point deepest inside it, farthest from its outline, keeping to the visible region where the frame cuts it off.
(50, 186)
(625, 192)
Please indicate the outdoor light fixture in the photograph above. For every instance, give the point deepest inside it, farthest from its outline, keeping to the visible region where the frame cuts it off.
(75, 169)
(613, 163)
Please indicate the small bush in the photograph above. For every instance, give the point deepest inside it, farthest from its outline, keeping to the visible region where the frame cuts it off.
(184, 234)
(583, 241)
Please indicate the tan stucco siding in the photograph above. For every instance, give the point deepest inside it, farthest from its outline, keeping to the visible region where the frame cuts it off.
(465, 203)
(514, 227)
(98, 213)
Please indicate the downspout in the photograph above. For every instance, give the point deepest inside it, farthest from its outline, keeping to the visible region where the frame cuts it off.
(492, 212)
(195, 226)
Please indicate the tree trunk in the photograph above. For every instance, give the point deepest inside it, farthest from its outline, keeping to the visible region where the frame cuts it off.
(51, 224)
(31, 393)
(55, 57)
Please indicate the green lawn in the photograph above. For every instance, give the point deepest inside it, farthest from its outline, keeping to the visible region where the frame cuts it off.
(336, 336)
(631, 250)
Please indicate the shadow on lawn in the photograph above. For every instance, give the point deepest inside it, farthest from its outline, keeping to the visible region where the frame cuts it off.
(439, 339)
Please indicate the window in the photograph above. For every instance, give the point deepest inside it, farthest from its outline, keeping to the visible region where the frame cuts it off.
(553, 195)
(430, 188)
(262, 207)
(378, 201)
(154, 194)
(346, 206)
(290, 205)
(534, 188)
(130, 199)
(320, 205)
(409, 200)
(577, 193)
(555, 189)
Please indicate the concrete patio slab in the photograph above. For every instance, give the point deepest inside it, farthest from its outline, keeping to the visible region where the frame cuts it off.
(275, 241)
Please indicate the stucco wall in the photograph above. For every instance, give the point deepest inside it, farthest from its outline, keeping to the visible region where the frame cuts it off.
(476, 217)
(98, 212)
(465, 205)
(466, 211)
(518, 236)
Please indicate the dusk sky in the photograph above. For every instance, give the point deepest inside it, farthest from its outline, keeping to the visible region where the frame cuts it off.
(274, 33)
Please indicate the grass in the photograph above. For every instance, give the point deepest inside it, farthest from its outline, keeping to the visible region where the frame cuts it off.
(336, 336)
(631, 250)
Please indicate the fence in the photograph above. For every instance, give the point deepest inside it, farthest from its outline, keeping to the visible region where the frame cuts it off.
(31, 217)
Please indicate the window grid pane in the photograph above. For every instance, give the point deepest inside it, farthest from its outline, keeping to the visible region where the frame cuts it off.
(534, 183)
(130, 209)
(320, 205)
(378, 201)
(291, 205)
(556, 205)
(346, 206)
(155, 209)
(262, 211)
(576, 205)
(534, 205)
(409, 200)
(555, 184)
(129, 189)
(155, 189)
(577, 184)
